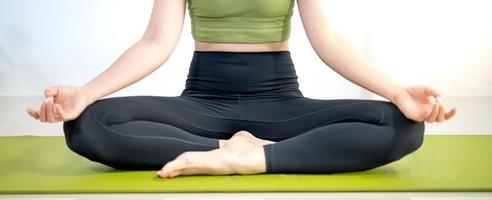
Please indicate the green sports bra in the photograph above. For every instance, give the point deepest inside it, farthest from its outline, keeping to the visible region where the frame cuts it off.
(240, 21)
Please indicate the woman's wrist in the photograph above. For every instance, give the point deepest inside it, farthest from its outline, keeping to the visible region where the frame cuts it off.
(396, 94)
(90, 97)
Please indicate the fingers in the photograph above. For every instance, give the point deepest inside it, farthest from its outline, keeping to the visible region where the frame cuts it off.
(47, 112)
(438, 99)
(435, 111)
(450, 114)
(439, 114)
(56, 114)
(62, 114)
(51, 92)
(50, 112)
(59, 111)
(33, 113)
(429, 94)
(431, 91)
(42, 115)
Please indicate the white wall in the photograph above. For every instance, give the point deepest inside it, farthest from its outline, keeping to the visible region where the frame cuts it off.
(446, 44)
(443, 43)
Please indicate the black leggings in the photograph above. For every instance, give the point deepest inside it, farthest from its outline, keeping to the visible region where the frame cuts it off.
(254, 91)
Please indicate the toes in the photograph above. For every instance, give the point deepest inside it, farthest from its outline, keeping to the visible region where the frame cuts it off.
(174, 172)
(174, 168)
(239, 158)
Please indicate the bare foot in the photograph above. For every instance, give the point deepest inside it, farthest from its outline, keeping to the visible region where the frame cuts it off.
(249, 137)
(237, 156)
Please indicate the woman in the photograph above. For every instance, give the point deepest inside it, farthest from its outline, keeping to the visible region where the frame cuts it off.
(241, 111)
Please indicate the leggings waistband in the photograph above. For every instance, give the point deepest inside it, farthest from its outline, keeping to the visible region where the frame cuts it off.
(227, 73)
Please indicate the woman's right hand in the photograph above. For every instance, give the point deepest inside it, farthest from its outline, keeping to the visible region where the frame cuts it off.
(62, 103)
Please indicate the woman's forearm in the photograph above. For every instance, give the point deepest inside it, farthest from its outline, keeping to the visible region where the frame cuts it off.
(135, 63)
(352, 64)
(339, 54)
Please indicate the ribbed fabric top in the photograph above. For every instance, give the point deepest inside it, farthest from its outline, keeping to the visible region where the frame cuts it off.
(240, 21)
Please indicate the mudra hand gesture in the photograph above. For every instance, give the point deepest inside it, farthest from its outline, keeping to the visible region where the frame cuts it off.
(422, 103)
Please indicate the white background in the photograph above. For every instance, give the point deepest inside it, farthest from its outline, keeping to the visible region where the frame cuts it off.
(445, 44)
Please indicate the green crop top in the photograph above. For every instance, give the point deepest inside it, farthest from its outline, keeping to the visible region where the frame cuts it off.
(240, 21)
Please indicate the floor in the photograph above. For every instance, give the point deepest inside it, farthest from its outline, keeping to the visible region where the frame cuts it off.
(472, 118)
(267, 196)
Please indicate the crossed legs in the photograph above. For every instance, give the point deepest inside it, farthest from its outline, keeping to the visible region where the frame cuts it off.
(187, 136)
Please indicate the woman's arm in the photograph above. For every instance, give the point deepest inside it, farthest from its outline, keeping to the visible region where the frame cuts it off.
(147, 54)
(65, 103)
(339, 54)
(354, 66)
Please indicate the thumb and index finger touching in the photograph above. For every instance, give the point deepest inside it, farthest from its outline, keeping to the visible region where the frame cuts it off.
(438, 99)
(49, 94)
(61, 114)
(428, 91)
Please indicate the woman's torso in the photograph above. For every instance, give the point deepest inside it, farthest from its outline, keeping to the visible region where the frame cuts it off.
(240, 47)
(240, 25)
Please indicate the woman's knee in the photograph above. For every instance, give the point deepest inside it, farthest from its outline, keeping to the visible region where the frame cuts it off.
(91, 136)
(407, 135)
(83, 134)
(406, 140)
(415, 132)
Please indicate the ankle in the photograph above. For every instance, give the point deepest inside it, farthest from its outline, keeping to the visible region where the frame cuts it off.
(221, 143)
(256, 161)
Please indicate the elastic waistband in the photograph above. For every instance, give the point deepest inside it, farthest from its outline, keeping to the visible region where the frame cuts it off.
(242, 52)
(231, 74)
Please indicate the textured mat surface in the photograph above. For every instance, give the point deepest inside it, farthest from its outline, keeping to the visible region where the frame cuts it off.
(30, 164)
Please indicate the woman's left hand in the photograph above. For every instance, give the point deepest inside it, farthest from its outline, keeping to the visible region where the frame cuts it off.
(415, 103)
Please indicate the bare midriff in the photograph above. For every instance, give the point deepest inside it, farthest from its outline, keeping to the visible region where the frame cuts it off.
(242, 47)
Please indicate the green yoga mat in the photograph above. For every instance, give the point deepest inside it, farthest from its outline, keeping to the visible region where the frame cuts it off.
(30, 164)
